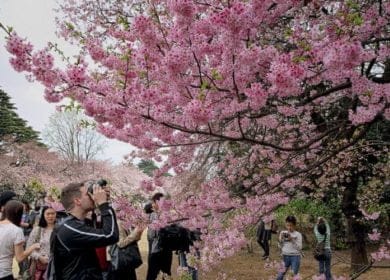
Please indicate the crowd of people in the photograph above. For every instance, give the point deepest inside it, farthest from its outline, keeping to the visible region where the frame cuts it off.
(81, 245)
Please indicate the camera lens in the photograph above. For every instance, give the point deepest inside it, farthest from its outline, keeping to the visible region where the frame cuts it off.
(102, 182)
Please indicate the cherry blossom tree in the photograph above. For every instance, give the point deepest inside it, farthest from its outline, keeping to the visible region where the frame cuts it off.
(288, 91)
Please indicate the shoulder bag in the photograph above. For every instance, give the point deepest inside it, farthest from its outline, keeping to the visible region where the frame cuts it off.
(319, 250)
(125, 258)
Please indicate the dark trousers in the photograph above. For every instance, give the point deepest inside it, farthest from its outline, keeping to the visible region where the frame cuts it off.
(161, 261)
(325, 264)
(265, 245)
(9, 277)
(125, 274)
(264, 240)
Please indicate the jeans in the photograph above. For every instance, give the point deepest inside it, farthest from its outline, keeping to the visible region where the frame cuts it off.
(293, 261)
(183, 263)
(324, 265)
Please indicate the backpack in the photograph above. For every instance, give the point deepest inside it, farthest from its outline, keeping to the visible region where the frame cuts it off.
(174, 238)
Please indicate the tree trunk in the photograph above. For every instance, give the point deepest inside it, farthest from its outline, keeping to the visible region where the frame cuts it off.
(355, 228)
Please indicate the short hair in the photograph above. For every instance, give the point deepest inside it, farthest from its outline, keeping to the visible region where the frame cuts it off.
(13, 211)
(321, 228)
(157, 196)
(42, 221)
(291, 219)
(69, 193)
(6, 196)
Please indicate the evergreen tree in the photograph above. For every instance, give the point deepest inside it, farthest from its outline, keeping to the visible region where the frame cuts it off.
(12, 125)
(147, 166)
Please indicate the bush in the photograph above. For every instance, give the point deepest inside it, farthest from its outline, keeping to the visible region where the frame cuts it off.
(306, 212)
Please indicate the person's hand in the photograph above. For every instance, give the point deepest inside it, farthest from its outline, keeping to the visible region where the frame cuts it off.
(99, 195)
(107, 189)
(44, 259)
(35, 246)
(25, 225)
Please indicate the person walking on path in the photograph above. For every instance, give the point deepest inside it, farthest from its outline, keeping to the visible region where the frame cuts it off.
(291, 245)
(12, 239)
(264, 234)
(322, 234)
(159, 259)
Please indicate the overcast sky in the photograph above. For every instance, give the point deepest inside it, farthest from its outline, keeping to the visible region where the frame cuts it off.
(34, 19)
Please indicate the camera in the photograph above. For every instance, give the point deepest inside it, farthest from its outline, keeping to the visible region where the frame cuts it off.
(286, 235)
(101, 182)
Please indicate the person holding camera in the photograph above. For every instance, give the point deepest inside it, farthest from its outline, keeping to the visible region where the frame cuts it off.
(159, 259)
(291, 245)
(322, 234)
(74, 242)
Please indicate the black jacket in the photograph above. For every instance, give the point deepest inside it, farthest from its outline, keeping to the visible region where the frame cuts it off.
(74, 246)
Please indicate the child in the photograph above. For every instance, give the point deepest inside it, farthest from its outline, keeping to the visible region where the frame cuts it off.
(291, 244)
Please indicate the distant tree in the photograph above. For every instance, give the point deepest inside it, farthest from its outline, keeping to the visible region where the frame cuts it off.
(11, 125)
(147, 166)
(73, 136)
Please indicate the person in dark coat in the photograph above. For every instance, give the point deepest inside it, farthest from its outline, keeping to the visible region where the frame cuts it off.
(263, 234)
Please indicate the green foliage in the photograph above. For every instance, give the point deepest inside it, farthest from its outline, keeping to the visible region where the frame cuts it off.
(55, 192)
(12, 125)
(33, 190)
(6, 187)
(147, 166)
(184, 275)
(305, 210)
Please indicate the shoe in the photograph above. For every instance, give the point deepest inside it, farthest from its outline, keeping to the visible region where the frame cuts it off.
(265, 257)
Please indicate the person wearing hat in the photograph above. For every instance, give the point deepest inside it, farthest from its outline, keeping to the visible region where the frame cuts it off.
(5, 196)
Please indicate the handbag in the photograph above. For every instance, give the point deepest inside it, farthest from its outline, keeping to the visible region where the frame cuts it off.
(29, 274)
(319, 250)
(125, 258)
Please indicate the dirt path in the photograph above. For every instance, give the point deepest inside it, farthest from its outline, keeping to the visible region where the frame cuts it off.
(246, 266)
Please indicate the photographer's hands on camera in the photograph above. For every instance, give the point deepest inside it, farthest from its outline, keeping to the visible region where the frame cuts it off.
(100, 195)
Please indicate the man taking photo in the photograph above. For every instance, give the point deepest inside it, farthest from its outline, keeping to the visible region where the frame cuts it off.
(74, 241)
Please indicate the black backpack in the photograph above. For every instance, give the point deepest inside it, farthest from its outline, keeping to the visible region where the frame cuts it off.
(174, 238)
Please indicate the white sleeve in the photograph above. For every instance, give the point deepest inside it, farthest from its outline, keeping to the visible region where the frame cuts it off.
(19, 236)
(299, 241)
